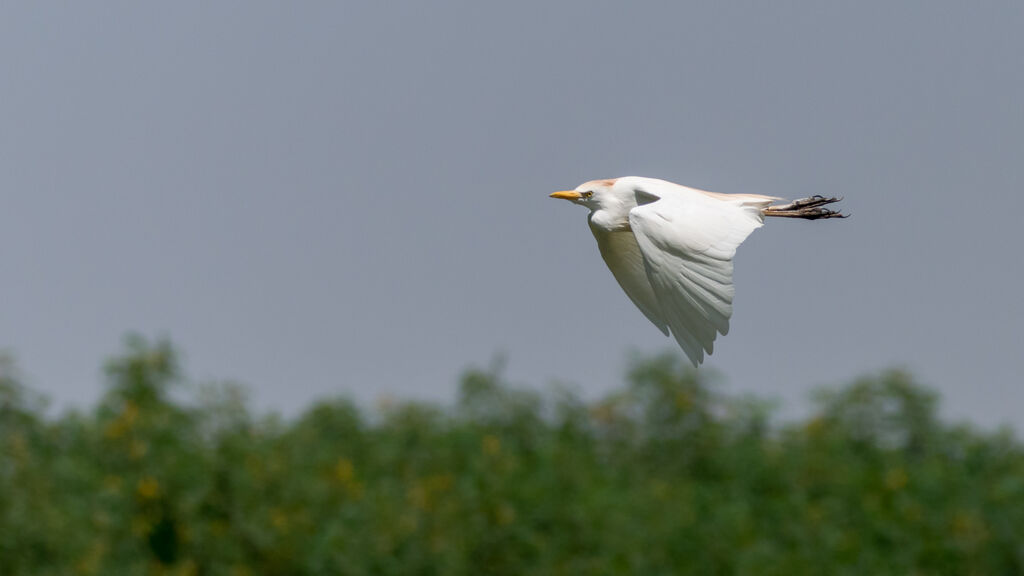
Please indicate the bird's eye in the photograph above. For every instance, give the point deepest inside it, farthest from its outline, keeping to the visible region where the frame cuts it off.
(587, 194)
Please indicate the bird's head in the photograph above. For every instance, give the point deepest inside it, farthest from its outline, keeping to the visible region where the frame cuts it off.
(609, 201)
(595, 194)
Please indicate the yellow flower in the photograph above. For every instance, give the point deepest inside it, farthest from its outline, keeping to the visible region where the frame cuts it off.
(683, 400)
(895, 479)
(345, 474)
(491, 445)
(188, 568)
(603, 413)
(439, 482)
(344, 471)
(112, 484)
(424, 494)
(505, 514)
(89, 564)
(148, 488)
(660, 489)
(141, 526)
(124, 421)
(18, 446)
(279, 519)
(815, 426)
(138, 449)
(968, 529)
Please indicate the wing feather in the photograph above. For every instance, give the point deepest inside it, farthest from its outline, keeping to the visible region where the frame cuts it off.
(688, 240)
(623, 257)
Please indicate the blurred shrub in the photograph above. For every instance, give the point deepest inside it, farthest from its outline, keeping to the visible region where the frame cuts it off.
(668, 476)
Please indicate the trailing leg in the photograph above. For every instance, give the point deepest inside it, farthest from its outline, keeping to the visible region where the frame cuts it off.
(807, 208)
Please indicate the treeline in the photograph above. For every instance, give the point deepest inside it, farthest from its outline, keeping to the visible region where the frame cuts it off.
(667, 476)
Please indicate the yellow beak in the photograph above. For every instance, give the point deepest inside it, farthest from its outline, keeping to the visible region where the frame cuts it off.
(567, 195)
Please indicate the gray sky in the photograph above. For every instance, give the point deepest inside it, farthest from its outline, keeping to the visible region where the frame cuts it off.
(339, 197)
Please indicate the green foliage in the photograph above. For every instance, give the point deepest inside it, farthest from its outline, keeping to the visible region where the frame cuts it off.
(668, 476)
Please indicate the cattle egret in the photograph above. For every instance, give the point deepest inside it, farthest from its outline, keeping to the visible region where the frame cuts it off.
(671, 247)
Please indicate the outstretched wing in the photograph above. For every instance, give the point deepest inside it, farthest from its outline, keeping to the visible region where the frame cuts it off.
(688, 239)
(622, 255)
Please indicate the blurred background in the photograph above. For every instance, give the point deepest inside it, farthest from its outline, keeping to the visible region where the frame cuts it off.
(349, 200)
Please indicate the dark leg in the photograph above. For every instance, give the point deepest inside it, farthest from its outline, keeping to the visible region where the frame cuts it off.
(808, 208)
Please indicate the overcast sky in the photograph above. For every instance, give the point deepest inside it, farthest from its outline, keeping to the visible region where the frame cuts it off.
(326, 198)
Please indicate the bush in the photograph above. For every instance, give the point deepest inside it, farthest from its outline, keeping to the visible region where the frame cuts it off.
(668, 476)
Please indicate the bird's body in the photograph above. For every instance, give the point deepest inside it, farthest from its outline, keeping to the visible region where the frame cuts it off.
(671, 247)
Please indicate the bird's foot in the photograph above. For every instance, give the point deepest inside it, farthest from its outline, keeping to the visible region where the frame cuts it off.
(806, 208)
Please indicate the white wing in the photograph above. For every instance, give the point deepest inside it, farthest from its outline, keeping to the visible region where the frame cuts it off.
(622, 255)
(688, 239)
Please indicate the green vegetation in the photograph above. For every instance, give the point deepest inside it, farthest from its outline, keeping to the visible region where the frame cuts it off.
(667, 477)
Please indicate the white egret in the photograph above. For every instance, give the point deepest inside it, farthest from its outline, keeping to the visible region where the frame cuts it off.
(671, 247)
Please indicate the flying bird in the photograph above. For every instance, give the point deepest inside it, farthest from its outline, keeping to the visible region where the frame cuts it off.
(670, 247)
